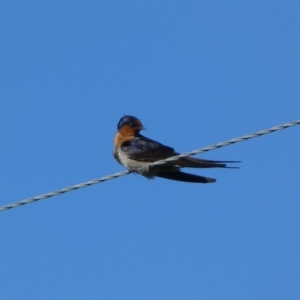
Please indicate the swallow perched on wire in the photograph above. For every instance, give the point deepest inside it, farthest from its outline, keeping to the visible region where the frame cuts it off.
(137, 153)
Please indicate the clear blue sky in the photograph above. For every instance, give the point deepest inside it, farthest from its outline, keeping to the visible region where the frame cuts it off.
(195, 73)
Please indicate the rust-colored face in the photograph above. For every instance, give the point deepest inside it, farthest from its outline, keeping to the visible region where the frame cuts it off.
(138, 124)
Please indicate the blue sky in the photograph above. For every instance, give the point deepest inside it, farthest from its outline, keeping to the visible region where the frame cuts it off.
(196, 73)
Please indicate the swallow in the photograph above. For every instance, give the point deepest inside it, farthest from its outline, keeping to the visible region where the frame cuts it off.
(137, 152)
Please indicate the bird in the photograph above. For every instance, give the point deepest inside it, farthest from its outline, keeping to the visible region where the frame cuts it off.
(137, 152)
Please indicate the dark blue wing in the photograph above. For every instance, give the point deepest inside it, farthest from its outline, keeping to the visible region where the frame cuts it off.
(144, 149)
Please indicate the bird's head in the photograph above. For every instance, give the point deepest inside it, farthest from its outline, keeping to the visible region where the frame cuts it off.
(130, 122)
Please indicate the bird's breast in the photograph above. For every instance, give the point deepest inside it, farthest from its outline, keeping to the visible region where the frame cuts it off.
(139, 167)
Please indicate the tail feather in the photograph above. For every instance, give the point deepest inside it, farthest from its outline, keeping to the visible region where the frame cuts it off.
(190, 162)
(186, 177)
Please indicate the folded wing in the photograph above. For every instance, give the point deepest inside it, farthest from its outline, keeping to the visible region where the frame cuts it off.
(147, 150)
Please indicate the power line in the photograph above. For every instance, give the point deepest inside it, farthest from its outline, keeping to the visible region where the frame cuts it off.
(116, 175)
(230, 142)
(64, 190)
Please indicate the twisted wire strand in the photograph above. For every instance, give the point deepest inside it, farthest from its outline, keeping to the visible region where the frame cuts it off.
(64, 190)
(119, 174)
(227, 143)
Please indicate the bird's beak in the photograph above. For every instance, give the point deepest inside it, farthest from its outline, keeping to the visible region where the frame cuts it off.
(142, 128)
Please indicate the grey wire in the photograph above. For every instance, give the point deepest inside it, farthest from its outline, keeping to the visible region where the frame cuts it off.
(64, 190)
(227, 143)
(113, 176)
